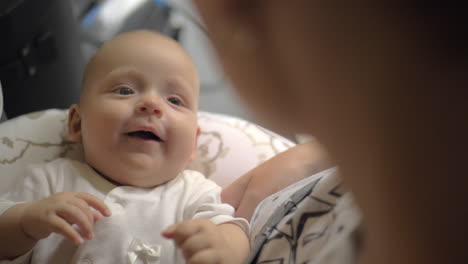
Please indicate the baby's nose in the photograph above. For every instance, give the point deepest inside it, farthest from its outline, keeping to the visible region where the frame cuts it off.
(150, 106)
(147, 109)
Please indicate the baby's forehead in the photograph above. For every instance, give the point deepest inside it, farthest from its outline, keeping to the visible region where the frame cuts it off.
(143, 39)
(151, 44)
(135, 43)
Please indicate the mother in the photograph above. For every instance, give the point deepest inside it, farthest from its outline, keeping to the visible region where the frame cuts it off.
(383, 89)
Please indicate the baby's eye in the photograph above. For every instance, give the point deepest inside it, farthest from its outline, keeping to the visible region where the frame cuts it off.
(175, 101)
(124, 91)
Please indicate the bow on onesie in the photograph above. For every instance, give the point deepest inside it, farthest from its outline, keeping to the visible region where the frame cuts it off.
(146, 253)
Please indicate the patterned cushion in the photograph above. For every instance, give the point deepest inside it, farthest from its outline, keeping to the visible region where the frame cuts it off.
(227, 147)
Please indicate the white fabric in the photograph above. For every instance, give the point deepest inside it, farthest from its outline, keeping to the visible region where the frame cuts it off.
(137, 213)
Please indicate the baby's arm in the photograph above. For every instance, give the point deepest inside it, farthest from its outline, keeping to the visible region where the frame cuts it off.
(202, 241)
(273, 175)
(22, 225)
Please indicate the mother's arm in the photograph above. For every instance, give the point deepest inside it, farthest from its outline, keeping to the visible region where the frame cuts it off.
(273, 175)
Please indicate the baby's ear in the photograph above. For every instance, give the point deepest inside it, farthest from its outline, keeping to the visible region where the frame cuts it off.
(195, 147)
(74, 123)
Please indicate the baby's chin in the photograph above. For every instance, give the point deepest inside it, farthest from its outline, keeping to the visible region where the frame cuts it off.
(137, 169)
(139, 179)
(144, 183)
(146, 178)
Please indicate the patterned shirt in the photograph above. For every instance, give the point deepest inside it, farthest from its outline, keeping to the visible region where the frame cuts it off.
(312, 221)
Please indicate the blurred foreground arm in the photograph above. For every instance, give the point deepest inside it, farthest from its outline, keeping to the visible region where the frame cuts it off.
(273, 175)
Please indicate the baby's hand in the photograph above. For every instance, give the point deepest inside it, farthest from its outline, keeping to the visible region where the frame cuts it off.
(59, 212)
(200, 241)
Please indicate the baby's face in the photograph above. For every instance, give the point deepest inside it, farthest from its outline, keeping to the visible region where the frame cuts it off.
(139, 111)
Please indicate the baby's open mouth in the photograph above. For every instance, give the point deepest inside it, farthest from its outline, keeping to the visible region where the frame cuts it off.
(146, 135)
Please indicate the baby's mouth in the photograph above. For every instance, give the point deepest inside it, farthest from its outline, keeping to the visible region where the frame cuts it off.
(146, 135)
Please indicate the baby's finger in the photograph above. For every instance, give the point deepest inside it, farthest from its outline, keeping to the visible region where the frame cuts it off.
(74, 215)
(205, 257)
(84, 207)
(181, 231)
(61, 226)
(170, 231)
(95, 202)
(194, 244)
(96, 216)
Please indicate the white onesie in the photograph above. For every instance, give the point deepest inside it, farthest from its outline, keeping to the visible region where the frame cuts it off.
(133, 233)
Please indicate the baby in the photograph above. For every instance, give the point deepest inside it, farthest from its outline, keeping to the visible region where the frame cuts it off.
(132, 200)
